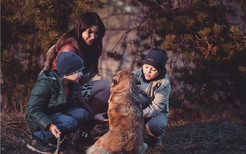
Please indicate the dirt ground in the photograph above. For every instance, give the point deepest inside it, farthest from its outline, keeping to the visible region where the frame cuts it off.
(217, 133)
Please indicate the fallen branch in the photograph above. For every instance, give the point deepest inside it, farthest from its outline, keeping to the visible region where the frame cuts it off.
(58, 144)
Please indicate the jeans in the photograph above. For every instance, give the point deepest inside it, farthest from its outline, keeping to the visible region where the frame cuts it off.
(67, 122)
(156, 126)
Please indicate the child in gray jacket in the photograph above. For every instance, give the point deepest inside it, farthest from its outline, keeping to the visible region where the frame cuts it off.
(155, 89)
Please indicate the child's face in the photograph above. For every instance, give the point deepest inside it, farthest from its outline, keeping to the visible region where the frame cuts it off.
(150, 72)
(90, 34)
(74, 78)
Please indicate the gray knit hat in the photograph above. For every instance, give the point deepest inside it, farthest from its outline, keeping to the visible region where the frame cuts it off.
(68, 63)
(157, 58)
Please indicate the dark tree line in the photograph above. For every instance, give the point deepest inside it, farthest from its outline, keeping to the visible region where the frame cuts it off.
(207, 48)
(207, 52)
(29, 28)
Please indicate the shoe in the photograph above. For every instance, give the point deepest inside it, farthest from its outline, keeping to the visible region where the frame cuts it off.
(39, 146)
(99, 130)
(154, 141)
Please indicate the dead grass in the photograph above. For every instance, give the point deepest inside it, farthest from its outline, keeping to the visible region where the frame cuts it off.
(187, 132)
(14, 133)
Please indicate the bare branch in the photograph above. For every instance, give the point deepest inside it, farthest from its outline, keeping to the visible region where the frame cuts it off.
(122, 36)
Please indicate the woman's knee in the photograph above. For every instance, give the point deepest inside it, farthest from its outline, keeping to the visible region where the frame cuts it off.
(101, 90)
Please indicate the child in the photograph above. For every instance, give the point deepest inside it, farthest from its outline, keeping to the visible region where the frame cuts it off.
(52, 109)
(155, 87)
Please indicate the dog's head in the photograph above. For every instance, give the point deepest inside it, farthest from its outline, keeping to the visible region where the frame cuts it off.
(124, 85)
(124, 77)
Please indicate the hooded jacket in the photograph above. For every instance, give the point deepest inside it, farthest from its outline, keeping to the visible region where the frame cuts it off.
(48, 96)
(155, 94)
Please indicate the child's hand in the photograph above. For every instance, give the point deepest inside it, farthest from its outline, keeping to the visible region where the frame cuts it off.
(55, 131)
(100, 117)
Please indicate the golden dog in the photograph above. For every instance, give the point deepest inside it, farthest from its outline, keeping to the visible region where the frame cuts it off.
(125, 135)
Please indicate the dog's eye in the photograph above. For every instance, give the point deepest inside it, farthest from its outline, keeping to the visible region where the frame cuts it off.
(114, 81)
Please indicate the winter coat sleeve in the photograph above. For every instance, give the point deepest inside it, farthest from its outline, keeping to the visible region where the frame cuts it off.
(160, 102)
(154, 99)
(37, 105)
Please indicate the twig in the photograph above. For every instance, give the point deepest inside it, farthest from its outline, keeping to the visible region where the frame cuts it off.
(129, 30)
(58, 144)
(124, 35)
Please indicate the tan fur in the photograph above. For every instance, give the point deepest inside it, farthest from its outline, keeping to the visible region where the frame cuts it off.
(49, 57)
(125, 135)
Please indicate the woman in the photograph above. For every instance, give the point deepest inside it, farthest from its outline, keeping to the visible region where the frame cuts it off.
(85, 40)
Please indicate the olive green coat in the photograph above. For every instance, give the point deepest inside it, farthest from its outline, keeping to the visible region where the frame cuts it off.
(48, 96)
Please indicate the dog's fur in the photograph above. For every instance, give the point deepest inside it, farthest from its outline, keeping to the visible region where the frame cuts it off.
(125, 135)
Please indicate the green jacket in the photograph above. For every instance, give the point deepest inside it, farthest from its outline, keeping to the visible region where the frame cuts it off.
(48, 96)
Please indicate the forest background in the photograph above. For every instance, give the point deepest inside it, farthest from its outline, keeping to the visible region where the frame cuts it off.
(206, 44)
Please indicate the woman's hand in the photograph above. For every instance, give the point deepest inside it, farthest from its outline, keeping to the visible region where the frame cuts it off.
(55, 131)
(100, 117)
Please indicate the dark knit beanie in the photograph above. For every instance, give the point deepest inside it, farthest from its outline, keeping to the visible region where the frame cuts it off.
(68, 63)
(157, 58)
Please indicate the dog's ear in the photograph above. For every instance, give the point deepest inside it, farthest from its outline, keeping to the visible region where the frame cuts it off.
(116, 78)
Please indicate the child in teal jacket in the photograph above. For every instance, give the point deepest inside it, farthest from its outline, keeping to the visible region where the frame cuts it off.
(52, 110)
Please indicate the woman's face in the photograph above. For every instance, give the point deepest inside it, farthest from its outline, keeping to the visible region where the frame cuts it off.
(90, 34)
(150, 72)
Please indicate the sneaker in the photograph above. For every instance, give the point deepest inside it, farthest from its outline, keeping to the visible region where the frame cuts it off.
(99, 130)
(39, 146)
(154, 141)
